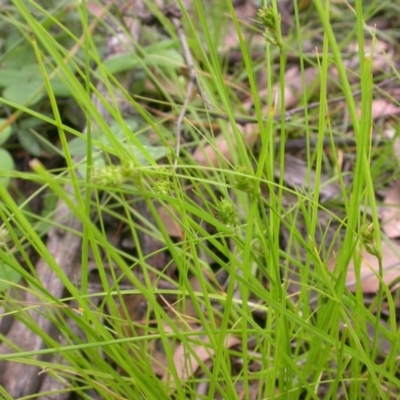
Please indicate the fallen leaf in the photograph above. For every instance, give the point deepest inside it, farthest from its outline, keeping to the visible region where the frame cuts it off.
(370, 268)
(380, 52)
(210, 154)
(390, 213)
(296, 173)
(170, 220)
(384, 108)
(295, 84)
(186, 363)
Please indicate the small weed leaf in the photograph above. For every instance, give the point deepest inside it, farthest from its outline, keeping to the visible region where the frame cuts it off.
(26, 85)
(6, 164)
(5, 133)
(8, 276)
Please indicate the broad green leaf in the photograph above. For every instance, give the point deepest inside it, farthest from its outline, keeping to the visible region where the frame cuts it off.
(58, 87)
(8, 76)
(8, 276)
(167, 57)
(155, 55)
(6, 164)
(5, 133)
(118, 132)
(155, 152)
(77, 147)
(29, 142)
(121, 63)
(98, 161)
(24, 91)
(18, 52)
(22, 83)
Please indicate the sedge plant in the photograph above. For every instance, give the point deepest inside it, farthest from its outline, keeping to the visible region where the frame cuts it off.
(247, 334)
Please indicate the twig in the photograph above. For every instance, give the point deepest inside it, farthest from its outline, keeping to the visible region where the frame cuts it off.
(175, 15)
(289, 114)
(176, 20)
(316, 104)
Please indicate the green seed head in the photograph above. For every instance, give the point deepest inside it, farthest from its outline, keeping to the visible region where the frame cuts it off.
(244, 179)
(4, 236)
(163, 183)
(367, 236)
(108, 176)
(226, 211)
(266, 18)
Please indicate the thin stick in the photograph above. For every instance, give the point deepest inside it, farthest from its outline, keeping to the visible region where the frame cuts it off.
(175, 15)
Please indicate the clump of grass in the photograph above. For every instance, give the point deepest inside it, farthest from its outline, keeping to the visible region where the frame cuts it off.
(227, 274)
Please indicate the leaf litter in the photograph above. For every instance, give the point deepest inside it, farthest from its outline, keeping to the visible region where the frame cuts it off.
(135, 312)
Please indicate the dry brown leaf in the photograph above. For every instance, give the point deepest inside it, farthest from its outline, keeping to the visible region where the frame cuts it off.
(186, 364)
(382, 56)
(96, 9)
(370, 268)
(134, 310)
(134, 313)
(135, 306)
(181, 310)
(296, 173)
(390, 133)
(390, 213)
(295, 85)
(210, 154)
(169, 218)
(384, 108)
(245, 11)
